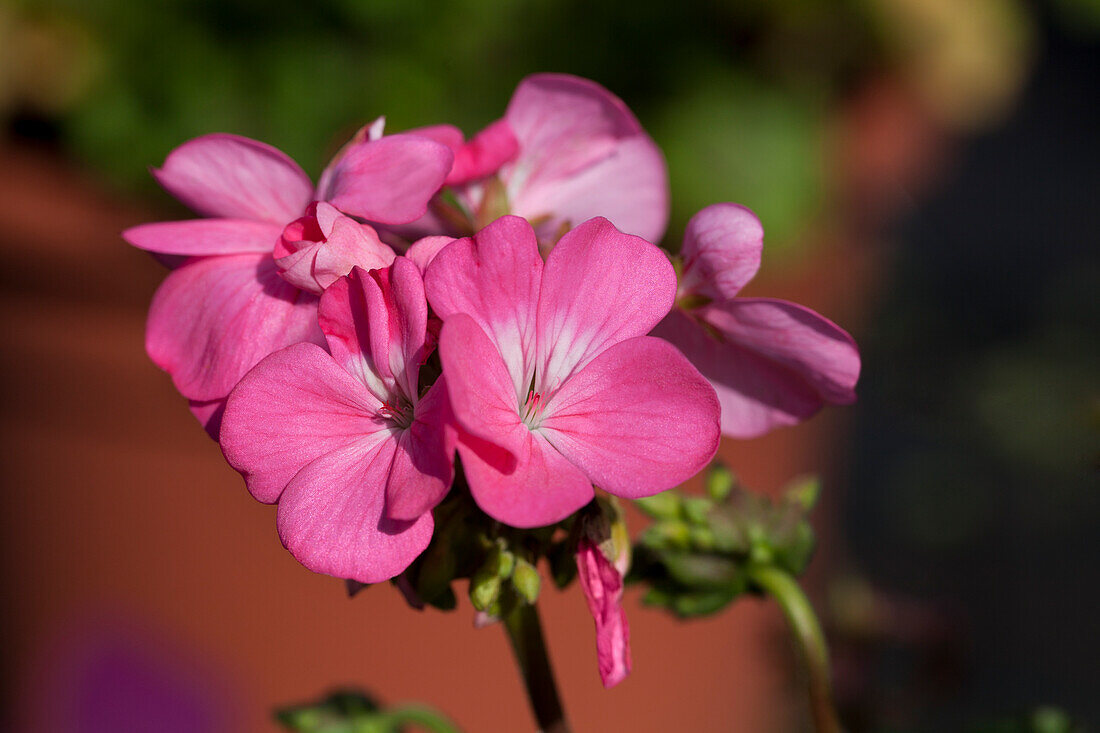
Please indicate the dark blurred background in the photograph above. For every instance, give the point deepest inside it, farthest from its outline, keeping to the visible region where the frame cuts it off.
(927, 175)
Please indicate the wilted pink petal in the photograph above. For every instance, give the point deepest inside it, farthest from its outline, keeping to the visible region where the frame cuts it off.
(638, 419)
(721, 251)
(214, 318)
(204, 236)
(324, 245)
(582, 154)
(229, 176)
(389, 180)
(603, 589)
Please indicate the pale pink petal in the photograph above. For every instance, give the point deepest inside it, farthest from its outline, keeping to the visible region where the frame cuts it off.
(332, 516)
(363, 134)
(600, 286)
(229, 176)
(494, 278)
(603, 589)
(448, 135)
(389, 180)
(214, 318)
(209, 414)
(484, 154)
(423, 467)
(583, 154)
(293, 407)
(423, 251)
(721, 251)
(375, 324)
(204, 236)
(317, 249)
(637, 420)
(764, 384)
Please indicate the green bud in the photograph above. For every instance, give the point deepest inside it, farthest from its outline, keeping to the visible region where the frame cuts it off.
(803, 492)
(665, 505)
(696, 509)
(702, 538)
(526, 580)
(505, 563)
(719, 481)
(485, 587)
(667, 535)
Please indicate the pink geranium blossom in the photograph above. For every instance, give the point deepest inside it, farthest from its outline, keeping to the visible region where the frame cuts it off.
(771, 361)
(566, 150)
(230, 304)
(345, 444)
(551, 377)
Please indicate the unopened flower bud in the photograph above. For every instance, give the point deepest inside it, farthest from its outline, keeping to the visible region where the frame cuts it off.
(719, 482)
(484, 589)
(696, 509)
(526, 580)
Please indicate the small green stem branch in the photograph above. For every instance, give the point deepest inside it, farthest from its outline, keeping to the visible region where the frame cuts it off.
(525, 633)
(807, 632)
(422, 718)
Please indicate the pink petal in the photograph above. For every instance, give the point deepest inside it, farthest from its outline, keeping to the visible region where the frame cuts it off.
(637, 420)
(423, 467)
(423, 251)
(214, 318)
(603, 589)
(721, 251)
(375, 324)
(317, 249)
(332, 516)
(204, 236)
(229, 176)
(777, 364)
(484, 154)
(535, 485)
(494, 279)
(600, 286)
(448, 135)
(293, 407)
(389, 180)
(209, 414)
(583, 154)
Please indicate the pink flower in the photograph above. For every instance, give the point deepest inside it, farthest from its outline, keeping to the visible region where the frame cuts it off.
(567, 150)
(229, 304)
(771, 361)
(551, 377)
(602, 583)
(345, 444)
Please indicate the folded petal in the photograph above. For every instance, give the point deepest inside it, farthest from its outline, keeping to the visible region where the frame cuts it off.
(603, 589)
(324, 245)
(721, 251)
(204, 236)
(423, 467)
(583, 154)
(293, 407)
(637, 420)
(375, 324)
(484, 154)
(214, 318)
(332, 516)
(494, 278)
(229, 176)
(209, 414)
(389, 180)
(600, 287)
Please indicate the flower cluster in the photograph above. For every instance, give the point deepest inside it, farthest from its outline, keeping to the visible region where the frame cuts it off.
(497, 299)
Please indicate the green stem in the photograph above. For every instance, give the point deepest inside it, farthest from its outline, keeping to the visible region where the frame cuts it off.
(423, 717)
(525, 634)
(800, 615)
